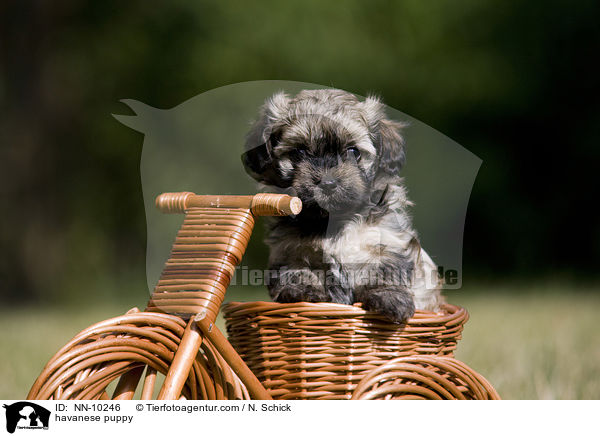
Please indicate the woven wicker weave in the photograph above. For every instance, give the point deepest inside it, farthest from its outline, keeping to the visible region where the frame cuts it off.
(323, 350)
(208, 246)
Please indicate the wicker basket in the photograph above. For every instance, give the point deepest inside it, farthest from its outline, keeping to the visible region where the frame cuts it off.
(323, 350)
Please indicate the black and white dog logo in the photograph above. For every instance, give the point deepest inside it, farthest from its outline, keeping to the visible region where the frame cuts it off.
(26, 415)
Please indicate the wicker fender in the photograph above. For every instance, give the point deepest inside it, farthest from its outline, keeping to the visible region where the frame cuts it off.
(123, 347)
(424, 378)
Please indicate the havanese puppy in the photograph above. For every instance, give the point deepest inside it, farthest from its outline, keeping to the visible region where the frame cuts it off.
(353, 241)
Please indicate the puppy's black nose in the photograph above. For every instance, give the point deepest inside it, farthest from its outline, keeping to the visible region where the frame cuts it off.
(327, 184)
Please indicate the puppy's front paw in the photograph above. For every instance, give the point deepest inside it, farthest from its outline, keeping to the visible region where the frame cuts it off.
(294, 294)
(396, 305)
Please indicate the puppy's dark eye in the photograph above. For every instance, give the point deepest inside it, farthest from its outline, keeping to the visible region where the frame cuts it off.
(353, 152)
(298, 153)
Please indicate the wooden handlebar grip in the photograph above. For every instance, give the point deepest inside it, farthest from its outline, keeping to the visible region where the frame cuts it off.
(275, 205)
(173, 202)
(259, 204)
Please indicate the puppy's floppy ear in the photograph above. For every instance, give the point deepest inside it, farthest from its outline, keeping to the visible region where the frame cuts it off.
(258, 160)
(386, 138)
(258, 163)
(392, 155)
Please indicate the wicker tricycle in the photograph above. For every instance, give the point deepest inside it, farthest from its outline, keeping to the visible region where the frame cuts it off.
(274, 351)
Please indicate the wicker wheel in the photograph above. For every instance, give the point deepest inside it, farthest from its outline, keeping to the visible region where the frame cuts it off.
(424, 378)
(125, 346)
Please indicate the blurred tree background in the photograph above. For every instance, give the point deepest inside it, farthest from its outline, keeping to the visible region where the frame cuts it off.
(513, 82)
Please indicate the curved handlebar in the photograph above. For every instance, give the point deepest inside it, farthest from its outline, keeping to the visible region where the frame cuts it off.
(259, 204)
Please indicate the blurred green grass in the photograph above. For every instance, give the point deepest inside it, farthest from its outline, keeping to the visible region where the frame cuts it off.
(540, 343)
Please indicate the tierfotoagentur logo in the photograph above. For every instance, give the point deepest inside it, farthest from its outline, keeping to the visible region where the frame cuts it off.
(24, 415)
(359, 274)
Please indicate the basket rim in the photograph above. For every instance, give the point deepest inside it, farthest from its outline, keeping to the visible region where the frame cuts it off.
(448, 315)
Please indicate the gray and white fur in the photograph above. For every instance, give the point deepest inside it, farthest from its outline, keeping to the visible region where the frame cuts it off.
(354, 240)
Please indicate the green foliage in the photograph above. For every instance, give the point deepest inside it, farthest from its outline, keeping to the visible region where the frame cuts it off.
(508, 80)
